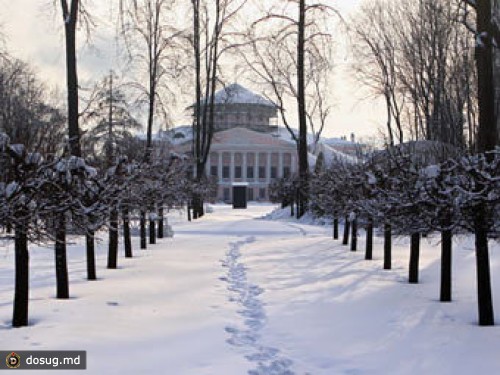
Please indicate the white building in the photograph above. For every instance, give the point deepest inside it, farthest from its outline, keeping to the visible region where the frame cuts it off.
(243, 155)
(249, 148)
(246, 146)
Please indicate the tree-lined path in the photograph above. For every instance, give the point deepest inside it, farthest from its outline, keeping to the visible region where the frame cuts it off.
(233, 293)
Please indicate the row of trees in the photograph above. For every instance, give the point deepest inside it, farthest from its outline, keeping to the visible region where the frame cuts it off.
(42, 199)
(48, 187)
(413, 190)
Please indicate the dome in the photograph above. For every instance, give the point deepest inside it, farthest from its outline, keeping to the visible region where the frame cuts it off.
(237, 94)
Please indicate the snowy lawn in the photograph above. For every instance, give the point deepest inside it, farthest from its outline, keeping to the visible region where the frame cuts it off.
(236, 294)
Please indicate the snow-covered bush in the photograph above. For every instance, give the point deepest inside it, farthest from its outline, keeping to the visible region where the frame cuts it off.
(283, 190)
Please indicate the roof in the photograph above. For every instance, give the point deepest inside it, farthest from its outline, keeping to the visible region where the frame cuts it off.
(246, 137)
(237, 94)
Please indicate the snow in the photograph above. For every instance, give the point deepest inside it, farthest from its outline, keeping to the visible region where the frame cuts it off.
(432, 171)
(11, 189)
(372, 180)
(236, 293)
(237, 94)
(17, 149)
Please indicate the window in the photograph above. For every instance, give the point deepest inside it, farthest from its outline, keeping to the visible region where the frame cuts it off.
(250, 194)
(214, 171)
(249, 172)
(262, 193)
(274, 172)
(226, 194)
(262, 172)
(237, 172)
(286, 172)
(225, 171)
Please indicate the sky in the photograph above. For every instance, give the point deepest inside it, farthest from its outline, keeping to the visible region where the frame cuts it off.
(33, 31)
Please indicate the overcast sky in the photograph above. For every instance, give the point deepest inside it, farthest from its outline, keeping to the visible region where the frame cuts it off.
(33, 31)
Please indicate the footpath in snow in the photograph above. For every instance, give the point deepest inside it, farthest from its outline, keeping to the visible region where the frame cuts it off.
(234, 293)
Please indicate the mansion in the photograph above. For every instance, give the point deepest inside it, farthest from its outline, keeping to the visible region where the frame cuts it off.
(241, 155)
(248, 148)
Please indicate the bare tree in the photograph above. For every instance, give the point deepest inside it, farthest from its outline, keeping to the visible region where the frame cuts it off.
(419, 59)
(290, 56)
(210, 41)
(486, 32)
(28, 114)
(108, 120)
(375, 47)
(151, 38)
(74, 13)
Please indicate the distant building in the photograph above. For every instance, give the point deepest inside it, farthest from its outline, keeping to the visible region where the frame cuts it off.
(247, 146)
(237, 107)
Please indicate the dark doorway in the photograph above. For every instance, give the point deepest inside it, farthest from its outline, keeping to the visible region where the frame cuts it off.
(239, 197)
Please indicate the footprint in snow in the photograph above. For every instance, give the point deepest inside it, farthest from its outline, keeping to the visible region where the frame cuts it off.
(245, 294)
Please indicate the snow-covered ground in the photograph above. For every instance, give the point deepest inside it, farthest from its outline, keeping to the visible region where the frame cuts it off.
(237, 294)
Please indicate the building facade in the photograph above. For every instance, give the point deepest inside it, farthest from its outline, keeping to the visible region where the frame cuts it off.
(241, 155)
(247, 147)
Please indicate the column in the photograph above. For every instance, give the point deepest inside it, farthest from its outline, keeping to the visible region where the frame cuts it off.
(208, 164)
(231, 168)
(280, 165)
(268, 169)
(244, 171)
(219, 172)
(256, 167)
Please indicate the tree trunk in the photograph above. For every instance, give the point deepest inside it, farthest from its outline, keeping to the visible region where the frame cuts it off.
(446, 259)
(113, 239)
(198, 204)
(161, 222)
(127, 240)
(414, 258)
(200, 122)
(189, 212)
(485, 302)
(195, 207)
(347, 227)
(21, 291)
(151, 114)
(91, 269)
(369, 241)
(152, 228)
(354, 235)
(335, 228)
(297, 203)
(61, 261)
(487, 141)
(487, 137)
(70, 23)
(143, 229)
(301, 104)
(387, 247)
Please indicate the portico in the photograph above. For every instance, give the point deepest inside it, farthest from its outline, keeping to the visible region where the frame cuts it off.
(241, 155)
